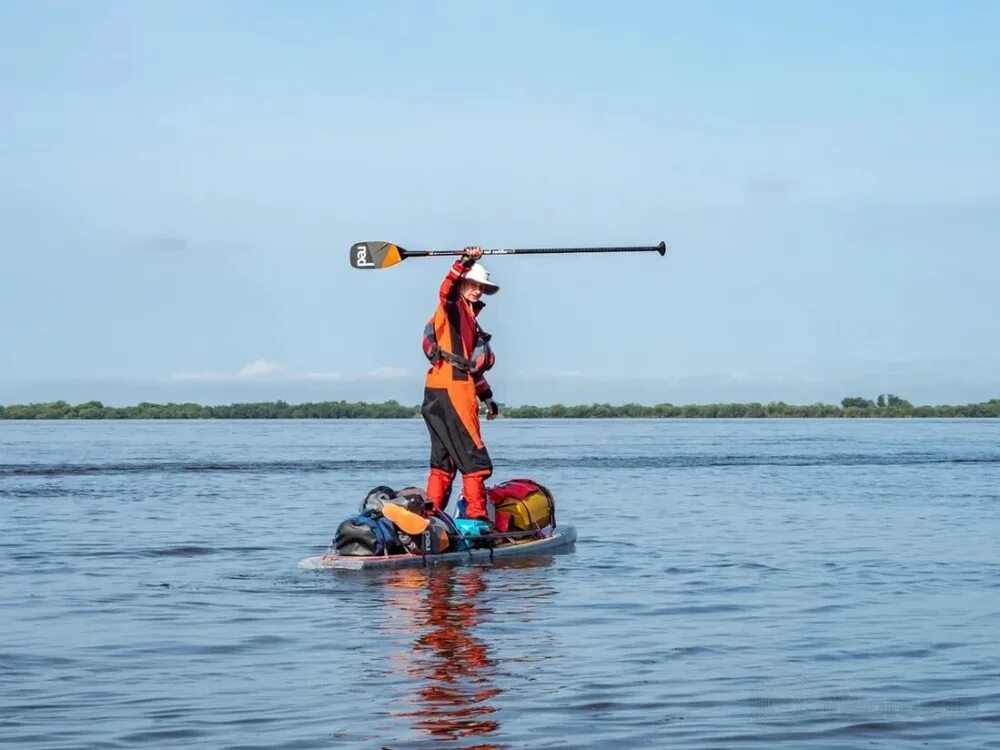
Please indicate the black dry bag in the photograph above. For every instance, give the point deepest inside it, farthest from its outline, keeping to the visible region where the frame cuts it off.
(364, 536)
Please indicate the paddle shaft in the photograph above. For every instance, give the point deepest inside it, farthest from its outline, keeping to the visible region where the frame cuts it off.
(661, 249)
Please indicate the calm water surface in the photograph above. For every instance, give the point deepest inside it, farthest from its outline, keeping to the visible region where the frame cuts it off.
(769, 584)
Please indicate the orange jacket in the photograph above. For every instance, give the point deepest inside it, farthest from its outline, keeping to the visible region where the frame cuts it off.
(453, 329)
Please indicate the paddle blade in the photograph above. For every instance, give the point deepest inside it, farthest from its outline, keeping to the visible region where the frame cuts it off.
(406, 520)
(376, 254)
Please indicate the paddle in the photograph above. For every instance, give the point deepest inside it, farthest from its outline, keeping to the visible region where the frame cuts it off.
(374, 255)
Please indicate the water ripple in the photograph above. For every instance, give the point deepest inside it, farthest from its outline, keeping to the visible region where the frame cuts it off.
(376, 466)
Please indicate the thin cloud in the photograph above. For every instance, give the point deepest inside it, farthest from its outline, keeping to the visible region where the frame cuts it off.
(167, 244)
(259, 369)
(386, 373)
(322, 376)
(206, 377)
(768, 189)
(547, 374)
(266, 370)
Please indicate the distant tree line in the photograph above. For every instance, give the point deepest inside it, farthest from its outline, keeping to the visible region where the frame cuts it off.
(265, 410)
(852, 407)
(886, 405)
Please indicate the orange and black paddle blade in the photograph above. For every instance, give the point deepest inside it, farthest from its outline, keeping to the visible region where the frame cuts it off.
(406, 520)
(376, 254)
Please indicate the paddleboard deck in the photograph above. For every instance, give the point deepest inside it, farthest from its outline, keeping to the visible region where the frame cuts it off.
(563, 536)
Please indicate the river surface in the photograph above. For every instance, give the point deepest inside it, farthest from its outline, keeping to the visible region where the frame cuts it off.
(737, 584)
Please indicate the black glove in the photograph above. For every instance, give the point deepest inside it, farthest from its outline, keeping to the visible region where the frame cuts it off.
(470, 255)
(492, 409)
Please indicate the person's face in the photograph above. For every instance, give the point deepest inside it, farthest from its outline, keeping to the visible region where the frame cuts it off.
(471, 291)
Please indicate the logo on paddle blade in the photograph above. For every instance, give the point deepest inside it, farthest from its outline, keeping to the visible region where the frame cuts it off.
(361, 259)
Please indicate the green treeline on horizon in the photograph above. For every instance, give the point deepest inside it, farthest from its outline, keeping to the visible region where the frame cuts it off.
(852, 407)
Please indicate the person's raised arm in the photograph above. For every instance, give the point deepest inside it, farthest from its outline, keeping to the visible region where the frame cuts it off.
(450, 285)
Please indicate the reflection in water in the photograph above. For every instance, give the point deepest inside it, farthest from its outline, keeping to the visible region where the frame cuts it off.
(456, 672)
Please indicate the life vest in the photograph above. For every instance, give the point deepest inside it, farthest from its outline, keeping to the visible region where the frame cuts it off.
(482, 358)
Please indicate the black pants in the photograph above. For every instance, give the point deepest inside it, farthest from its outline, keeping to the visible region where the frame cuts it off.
(455, 446)
(452, 445)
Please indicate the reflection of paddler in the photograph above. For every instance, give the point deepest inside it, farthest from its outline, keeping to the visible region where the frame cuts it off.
(454, 667)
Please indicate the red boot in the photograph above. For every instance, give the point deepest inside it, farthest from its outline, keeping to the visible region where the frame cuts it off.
(439, 487)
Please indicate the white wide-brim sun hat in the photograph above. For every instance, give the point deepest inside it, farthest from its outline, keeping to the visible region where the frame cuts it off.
(479, 274)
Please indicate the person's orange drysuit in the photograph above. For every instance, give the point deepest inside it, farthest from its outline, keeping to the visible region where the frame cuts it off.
(459, 352)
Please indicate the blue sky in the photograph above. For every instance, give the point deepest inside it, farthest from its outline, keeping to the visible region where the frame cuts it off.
(180, 184)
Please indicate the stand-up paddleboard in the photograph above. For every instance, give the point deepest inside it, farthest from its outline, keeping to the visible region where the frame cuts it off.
(560, 538)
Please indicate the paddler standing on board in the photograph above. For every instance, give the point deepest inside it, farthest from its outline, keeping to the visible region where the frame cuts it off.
(459, 353)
